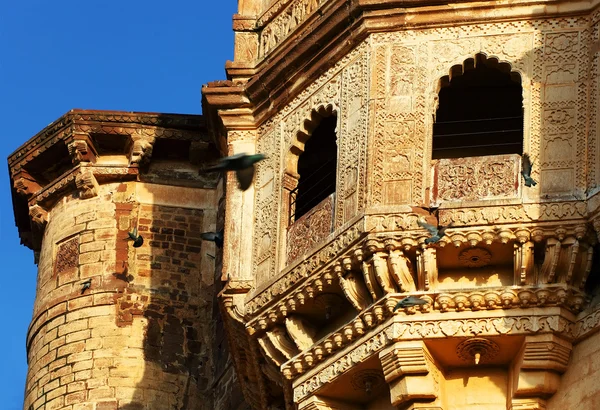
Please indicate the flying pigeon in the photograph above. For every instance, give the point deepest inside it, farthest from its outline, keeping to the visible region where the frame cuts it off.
(526, 166)
(432, 210)
(86, 285)
(216, 237)
(437, 232)
(242, 164)
(137, 239)
(409, 301)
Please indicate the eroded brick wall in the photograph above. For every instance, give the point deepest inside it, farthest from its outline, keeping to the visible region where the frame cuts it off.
(140, 336)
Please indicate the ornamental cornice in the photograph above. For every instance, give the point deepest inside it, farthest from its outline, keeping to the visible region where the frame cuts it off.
(85, 148)
(317, 270)
(460, 313)
(400, 328)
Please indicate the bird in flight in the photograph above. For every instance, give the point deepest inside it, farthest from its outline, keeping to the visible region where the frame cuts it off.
(137, 239)
(86, 285)
(408, 302)
(526, 166)
(242, 164)
(216, 237)
(437, 232)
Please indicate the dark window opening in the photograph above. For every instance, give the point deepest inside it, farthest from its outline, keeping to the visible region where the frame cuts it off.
(480, 111)
(317, 169)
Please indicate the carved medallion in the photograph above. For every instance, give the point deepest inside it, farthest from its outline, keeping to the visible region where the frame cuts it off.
(475, 257)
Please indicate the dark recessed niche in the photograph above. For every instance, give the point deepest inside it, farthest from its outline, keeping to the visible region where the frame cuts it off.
(172, 150)
(112, 144)
(50, 164)
(480, 111)
(317, 167)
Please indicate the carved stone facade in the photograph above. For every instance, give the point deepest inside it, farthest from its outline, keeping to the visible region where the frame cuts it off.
(507, 289)
(309, 305)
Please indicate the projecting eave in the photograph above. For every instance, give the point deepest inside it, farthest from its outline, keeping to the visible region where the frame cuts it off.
(316, 43)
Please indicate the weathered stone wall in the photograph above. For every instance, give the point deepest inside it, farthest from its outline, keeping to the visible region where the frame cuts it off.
(140, 336)
(580, 384)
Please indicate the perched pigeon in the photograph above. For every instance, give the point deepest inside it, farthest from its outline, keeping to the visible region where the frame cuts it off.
(526, 166)
(137, 239)
(86, 285)
(437, 232)
(409, 301)
(242, 164)
(216, 237)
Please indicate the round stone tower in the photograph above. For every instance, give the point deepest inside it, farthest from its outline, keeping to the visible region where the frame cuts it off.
(117, 325)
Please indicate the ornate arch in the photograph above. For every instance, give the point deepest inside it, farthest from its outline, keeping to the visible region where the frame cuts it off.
(311, 120)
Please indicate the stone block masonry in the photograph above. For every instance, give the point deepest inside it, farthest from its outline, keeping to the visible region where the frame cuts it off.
(140, 336)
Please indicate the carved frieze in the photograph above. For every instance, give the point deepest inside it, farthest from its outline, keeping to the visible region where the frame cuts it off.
(284, 22)
(476, 178)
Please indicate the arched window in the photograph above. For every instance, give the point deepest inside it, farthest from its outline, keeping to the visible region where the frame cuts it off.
(316, 169)
(480, 111)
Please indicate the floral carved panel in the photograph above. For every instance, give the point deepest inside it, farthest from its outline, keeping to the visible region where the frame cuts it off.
(310, 229)
(476, 178)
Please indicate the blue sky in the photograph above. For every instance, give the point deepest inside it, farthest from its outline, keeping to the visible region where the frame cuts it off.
(127, 55)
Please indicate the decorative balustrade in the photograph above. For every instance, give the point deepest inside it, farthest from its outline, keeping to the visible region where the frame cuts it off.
(310, 229)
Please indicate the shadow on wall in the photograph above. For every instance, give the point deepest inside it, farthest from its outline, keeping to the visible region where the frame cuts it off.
(168, 284)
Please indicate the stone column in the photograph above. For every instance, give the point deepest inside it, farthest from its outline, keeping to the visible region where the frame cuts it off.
(412, 375)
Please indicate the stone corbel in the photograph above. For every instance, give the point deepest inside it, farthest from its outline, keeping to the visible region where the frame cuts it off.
(370, 280)
(536, 370)
(354, 289)
(39, 216)
(141, 151)
(427, 270)
(301, 332)
(382, 272)
(411, 374)
(568, 259)
(25, 184)
(281, 342)
(552, 254)
(81, 150)
(325, 403)
(86, 184)
(401, 271)
(524, 264)
(270, 351)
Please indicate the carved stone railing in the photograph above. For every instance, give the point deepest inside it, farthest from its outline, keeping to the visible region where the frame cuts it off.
(476, 178)
(310, 229)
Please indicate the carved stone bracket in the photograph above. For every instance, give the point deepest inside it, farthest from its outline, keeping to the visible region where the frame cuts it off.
(141, 150)
(86, 184)
(537, 369)
(81, 149)
(39, 216)
(407, 367)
